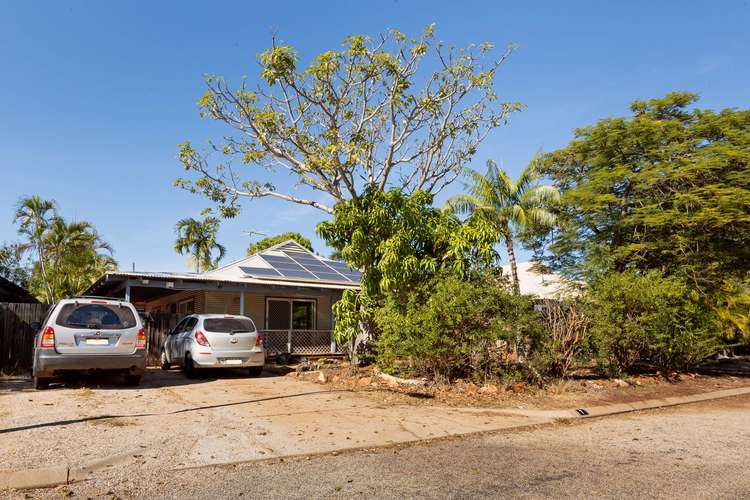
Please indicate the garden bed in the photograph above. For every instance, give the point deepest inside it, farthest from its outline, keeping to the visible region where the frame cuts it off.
(582, 389)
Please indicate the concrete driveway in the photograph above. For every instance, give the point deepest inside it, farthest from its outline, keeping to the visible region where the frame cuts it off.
(171, 422)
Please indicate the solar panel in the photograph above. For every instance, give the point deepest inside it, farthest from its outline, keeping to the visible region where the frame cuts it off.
(287, 267)
(344, 269)
(297, 263)
(260, 271)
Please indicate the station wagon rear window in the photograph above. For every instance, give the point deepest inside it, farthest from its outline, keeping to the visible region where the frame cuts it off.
(96, 317)
(228, 325)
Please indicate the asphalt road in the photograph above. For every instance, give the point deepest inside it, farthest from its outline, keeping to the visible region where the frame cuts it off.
(691, 451)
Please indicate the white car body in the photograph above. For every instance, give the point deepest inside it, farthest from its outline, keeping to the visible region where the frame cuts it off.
(214, 341)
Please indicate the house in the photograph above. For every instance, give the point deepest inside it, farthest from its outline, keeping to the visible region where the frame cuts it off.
(533, 279)
(286, 290)
(10, 292)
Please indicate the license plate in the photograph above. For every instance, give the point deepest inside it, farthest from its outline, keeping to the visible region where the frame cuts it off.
(232, 361)
(97, 342)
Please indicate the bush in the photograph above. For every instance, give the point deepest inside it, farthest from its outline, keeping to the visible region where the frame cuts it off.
(450, 327)
(647, 317)
(565, 339)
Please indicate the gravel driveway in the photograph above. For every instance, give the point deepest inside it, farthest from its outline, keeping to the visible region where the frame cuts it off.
(171, 422)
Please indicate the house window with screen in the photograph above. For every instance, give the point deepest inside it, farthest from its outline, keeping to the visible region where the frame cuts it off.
(283, 314)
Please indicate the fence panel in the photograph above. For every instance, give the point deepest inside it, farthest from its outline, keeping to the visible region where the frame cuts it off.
(17, 336)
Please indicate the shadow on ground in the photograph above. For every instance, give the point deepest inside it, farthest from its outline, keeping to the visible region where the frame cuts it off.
(737, 367)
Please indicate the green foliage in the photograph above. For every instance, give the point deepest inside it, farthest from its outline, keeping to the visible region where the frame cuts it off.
(667, 188)
(514, 206)
(449, 327)
(198, 239)
(399, 112)
(651, 318)
(13, 266)
(261, 245)
(70, 256)
(399, 241)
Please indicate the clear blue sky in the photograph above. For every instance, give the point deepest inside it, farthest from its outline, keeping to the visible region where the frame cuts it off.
(97, 95)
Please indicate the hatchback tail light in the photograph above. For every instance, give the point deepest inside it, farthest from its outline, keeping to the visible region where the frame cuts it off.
(258, 339)
(48, 337)
(140, 340)
(201, 339)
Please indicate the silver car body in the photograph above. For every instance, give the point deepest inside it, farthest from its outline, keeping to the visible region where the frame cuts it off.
(232, 342)
(90, 334)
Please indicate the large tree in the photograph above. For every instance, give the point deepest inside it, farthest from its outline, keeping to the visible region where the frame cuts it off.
(665, 188)
(399, 241)
(514, 206)
(261, 245)
(198, 239)
(385, 112)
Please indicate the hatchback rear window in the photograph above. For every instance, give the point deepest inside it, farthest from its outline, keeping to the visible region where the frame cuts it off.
(96, 317)
(228, 325)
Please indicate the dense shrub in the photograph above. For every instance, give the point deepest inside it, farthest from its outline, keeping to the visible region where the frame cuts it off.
(449, 327)
(647, 317)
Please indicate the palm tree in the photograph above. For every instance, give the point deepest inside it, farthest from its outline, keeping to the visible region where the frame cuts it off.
(514, 206)
(77, 256)
(34, 215)
(198, 240)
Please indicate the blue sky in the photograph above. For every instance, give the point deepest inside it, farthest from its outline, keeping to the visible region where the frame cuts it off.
(97, 95)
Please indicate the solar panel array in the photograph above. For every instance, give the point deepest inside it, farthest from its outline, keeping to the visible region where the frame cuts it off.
(297, 263)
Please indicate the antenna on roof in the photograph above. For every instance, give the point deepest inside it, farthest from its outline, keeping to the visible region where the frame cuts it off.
(252, 233)
(133, 266)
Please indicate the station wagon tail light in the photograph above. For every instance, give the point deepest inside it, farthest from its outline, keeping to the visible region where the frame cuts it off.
(258, 339)
(48, 337)
(201, 339)
(140, 340)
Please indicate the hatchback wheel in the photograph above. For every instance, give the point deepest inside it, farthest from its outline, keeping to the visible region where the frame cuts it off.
(41, 383)
(189, 367)
(164, 361)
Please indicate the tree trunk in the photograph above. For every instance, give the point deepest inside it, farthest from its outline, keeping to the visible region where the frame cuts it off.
(513, 263)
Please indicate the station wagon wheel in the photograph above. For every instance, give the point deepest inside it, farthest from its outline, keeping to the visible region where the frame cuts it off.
(165, 365)
(41, 383)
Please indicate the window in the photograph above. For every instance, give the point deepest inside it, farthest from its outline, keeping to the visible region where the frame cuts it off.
(96, 316)
(186, 306)
(228, 325)
(282, 314)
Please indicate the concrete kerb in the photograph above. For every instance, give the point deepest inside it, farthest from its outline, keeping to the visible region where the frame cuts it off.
(64, 474)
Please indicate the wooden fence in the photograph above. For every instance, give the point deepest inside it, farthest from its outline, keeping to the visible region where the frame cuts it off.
(17, 336)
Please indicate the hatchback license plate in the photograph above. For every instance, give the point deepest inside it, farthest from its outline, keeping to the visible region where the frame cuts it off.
(232, 361)
(97, 341)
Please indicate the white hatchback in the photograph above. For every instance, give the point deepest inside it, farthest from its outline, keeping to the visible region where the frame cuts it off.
(214, 341)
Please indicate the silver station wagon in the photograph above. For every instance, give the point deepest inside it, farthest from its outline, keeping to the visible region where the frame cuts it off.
(89, 333)
(214, 341)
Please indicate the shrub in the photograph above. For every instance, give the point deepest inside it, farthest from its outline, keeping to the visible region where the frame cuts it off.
(647, 317)
(565, 338)
(450, 327)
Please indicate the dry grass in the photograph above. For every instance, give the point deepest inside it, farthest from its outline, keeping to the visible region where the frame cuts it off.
(563, 386)
(85, 392)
